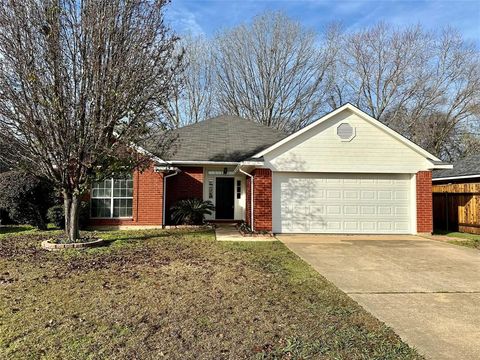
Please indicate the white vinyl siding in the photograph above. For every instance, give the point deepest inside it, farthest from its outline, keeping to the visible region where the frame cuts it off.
(342, 203)
(371, 150)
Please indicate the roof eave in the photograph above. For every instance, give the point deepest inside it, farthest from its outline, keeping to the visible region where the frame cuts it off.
(446, 178)
(441, 166)
(201, 162)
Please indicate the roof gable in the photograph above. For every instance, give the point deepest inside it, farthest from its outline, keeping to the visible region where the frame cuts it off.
(364, 116)
(371, 148)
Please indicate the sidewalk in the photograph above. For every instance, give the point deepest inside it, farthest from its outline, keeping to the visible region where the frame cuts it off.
(228, 232)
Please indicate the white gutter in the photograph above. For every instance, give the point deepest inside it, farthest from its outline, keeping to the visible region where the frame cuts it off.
(442, 166)
(251, 197)
(456, 177)
(181, 162)
(177, 171)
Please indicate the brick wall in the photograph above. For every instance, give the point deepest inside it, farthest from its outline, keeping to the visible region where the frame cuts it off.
(147, 201)
(248, 215)
(187, 184)
(262, 200)
(424, 202)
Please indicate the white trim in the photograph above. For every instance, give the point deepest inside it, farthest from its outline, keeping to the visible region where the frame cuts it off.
(456, 177)
(199, 162)
(252, 163)
(413, 204)
(363, 115)
(251, 197)
(442, 166)
(141, 150)
(164, 168)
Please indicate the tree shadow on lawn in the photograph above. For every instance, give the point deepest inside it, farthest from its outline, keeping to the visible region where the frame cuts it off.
(13, 229)
(27, 245)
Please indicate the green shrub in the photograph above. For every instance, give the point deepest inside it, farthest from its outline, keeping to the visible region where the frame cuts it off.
(191, 211)
(26, 198)
(56, 215)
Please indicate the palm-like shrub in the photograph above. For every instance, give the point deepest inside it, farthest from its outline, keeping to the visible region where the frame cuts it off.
(191, 211)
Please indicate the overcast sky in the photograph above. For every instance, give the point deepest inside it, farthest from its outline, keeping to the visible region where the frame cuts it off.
(205, 17)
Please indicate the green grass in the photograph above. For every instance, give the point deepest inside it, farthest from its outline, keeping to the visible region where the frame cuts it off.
(178, 294)
(465, 239)
(15, 229)
(7, 230)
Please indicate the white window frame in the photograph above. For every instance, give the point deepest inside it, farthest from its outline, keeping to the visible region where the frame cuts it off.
(112, 198)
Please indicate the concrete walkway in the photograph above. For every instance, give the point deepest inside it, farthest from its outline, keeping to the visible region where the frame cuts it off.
(427, 291)
(228, 232)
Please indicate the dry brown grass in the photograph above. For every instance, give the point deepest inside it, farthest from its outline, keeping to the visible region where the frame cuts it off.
(178, 295)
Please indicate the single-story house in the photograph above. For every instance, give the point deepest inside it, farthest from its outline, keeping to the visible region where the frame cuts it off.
(456, 196)
(344, 173)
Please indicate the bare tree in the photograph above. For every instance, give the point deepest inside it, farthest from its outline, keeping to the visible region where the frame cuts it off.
(79, 82)
(272, 71)
(425, 85)
(193, 100)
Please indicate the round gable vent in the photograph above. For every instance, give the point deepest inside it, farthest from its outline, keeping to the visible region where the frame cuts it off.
(346, 132)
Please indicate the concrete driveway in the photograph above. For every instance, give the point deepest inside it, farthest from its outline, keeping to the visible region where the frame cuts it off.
(427, 291)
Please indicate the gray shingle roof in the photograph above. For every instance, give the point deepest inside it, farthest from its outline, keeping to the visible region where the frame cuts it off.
(222, 138)
(467, 166)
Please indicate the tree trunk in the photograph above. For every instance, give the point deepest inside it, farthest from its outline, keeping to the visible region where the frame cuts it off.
(71, 204)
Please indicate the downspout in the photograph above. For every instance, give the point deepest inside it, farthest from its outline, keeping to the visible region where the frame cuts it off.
(251, 196)
(177, 171)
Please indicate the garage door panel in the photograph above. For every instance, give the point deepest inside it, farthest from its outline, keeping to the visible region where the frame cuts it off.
(369, 226)
(341, 203)
(334, 194)
(402, 226)
(351, 226)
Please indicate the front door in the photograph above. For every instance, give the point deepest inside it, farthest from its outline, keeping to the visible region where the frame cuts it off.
(224, 197)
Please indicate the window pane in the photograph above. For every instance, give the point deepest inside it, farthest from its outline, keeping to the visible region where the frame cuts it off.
(117, 188)
(239, 189)
(129, 192)
(101, 208)
(102, 188)
(210, 189)
(123, 188)
(122, 208)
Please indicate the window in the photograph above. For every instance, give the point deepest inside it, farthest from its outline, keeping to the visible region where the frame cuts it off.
(210, 189)
(239, 189)
(112, 198)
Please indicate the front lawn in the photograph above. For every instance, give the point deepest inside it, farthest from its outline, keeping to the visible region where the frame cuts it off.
(12, 229)
(464, 239)
(178, 295)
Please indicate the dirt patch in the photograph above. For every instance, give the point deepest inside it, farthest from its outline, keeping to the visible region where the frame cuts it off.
(159, 295)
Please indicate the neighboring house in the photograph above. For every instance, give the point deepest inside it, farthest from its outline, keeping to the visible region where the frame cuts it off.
(456, 197)
(345, 173)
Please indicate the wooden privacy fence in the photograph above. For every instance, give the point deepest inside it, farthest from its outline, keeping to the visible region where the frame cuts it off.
(456, 207)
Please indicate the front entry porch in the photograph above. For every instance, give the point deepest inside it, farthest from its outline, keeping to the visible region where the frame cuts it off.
(226, 190)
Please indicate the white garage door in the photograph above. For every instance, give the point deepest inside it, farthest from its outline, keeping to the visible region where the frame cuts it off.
(341, 203)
